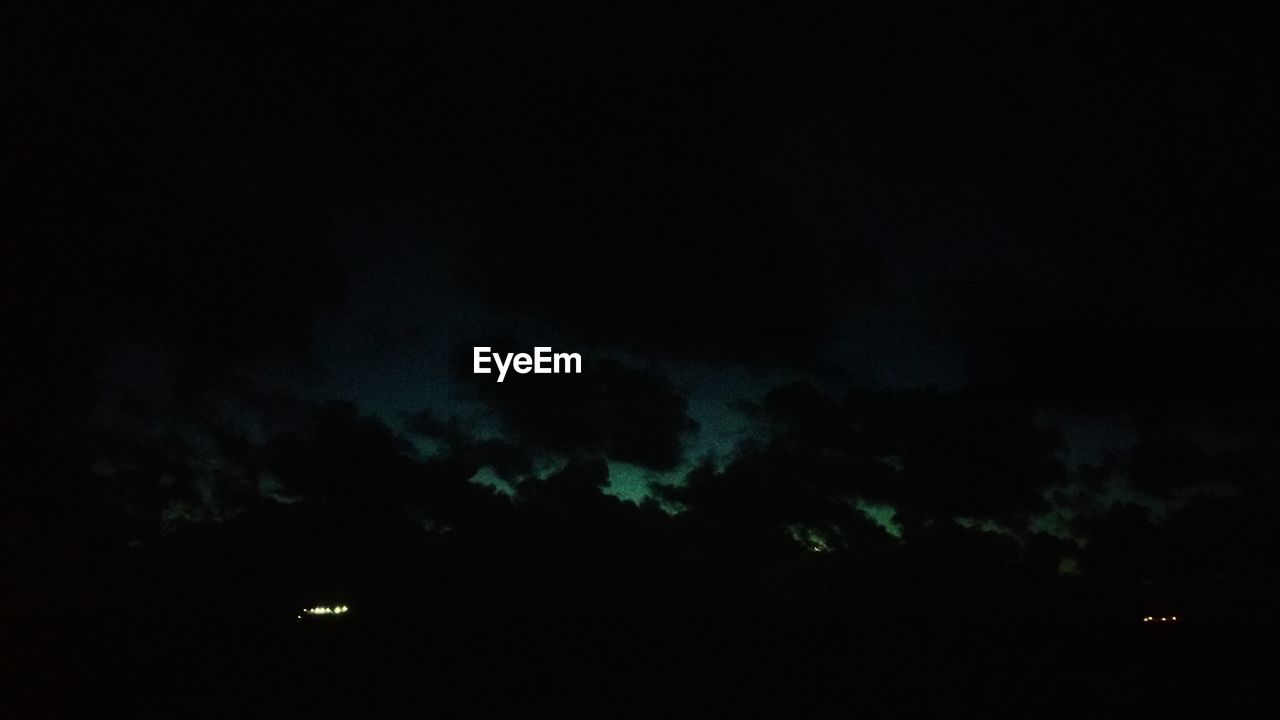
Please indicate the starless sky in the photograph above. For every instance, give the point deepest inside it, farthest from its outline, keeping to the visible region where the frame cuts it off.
(927, 298)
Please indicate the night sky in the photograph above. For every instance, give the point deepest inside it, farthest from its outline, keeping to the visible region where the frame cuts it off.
(960, 316)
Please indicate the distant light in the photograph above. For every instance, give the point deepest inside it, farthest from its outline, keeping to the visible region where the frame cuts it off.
(322, 610)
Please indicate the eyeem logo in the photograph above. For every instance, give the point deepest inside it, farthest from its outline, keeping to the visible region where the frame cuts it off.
(542, 362)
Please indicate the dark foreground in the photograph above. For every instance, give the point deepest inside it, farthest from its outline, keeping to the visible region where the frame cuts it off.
(467, 668)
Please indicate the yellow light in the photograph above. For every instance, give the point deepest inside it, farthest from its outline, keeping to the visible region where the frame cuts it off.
(326, 610)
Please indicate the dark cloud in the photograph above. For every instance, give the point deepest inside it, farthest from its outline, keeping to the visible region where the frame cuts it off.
(343, 457)
(1117, 345)
(640, 223)
(1162, 468)
(973, 453)
(339, 505)
(979, 452)
(1203, 557)
(511, 462)
(611, 409)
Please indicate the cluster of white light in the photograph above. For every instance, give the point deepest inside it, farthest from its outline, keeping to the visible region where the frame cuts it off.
(335, 610)
(1152, 618)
